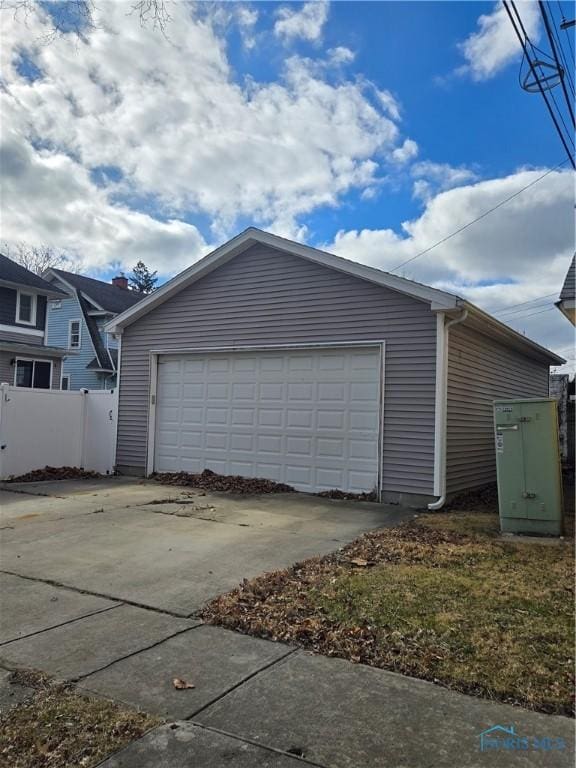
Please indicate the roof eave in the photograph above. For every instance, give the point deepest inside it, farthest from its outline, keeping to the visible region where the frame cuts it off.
(51, 293)
(512, 337)
(35, 349)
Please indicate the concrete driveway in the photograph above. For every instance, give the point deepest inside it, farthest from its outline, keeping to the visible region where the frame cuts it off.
(164, 547)
(100, 583)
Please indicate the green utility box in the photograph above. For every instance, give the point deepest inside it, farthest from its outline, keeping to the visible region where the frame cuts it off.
(528, 466)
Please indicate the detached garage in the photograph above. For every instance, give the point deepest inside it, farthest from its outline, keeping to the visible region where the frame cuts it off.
(271, 359)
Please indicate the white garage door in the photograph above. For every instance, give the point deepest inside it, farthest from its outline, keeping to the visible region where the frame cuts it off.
(309, 418)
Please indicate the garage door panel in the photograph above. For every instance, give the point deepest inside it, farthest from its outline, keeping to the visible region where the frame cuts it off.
(306, 418)
(331, 392)
(299, 477)
(271, 391)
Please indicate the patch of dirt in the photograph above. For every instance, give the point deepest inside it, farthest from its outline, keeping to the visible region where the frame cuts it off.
(483, 499)
(210, 481)
(55, 473)
(336, 494)
(59, 728)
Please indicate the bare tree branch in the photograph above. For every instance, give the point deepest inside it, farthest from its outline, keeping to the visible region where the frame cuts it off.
(39, 258)
(154, 11)
(79, 16)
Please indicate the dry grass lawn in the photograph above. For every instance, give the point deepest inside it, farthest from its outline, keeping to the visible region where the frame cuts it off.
(59, 728)
(441, 599)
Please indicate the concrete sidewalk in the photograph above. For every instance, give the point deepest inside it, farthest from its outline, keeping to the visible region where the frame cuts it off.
(300, 708)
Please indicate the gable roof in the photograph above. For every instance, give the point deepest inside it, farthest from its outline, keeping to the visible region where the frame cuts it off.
(106, 296)
(97, 343)
(568, 291)
(253, 236)
(16, 275)
(437, 299)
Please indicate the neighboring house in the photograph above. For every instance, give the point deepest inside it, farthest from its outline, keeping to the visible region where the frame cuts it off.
(26, 359)
(76, 321)
(270, 358)
(567, 302)
(562, 390)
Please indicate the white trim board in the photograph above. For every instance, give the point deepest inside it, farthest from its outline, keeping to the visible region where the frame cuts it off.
(79, 321)
(24, 330)
(33, 308)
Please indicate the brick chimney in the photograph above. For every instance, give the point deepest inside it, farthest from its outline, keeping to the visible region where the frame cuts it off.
(120, 282)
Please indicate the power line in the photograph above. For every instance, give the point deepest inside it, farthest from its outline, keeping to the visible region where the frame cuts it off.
(537, 305)
(522, 303)
(523, 41)
(556, 59)
(524, 317)
(567, 33)
(478, 218)
(567, 61)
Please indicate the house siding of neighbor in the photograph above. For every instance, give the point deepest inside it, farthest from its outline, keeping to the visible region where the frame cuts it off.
(91, 303)
(60, 314)
(259, 292)
(567, 301)
(480, 370)
(23, 343)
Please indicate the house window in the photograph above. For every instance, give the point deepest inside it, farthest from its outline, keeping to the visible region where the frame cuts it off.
(34, 374)
(26, 308)
(65, 383)
(74, 334)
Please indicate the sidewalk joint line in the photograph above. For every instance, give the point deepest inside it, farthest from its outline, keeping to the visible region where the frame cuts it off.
(253, 742)
(241, 682)
(78, 590)
(77, 678)
(62, 624)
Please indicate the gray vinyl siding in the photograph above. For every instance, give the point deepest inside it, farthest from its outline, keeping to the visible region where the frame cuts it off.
(7, 370)
(21, 338)
(265, 297)
(480, 370)
(8, 300)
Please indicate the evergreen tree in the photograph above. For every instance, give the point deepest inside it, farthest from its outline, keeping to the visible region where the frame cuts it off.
(142, 280)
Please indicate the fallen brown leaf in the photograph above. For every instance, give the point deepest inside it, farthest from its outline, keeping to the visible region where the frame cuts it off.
(181, 685)
(359, 561)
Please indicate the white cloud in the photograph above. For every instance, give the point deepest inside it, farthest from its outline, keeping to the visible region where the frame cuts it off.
(406, 152)
(495, 44)
(49, 199)
(305, 21)
(247, 18)
(185, 136)
(518, 253)
(341, 55)
(431, 178)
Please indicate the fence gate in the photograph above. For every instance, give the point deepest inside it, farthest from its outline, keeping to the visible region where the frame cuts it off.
(49, 427)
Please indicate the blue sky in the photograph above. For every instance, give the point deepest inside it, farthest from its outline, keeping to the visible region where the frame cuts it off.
(370, 129)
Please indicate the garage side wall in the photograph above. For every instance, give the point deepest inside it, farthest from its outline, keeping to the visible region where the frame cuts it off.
(480, 370)
(267, 297)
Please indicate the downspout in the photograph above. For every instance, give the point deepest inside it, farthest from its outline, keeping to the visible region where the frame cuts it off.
(441, 415)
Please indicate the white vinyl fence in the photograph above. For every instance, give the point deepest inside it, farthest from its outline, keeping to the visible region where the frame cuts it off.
(49, 427)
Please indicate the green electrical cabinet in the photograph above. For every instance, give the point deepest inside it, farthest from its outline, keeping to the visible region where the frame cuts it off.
(528, 466)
